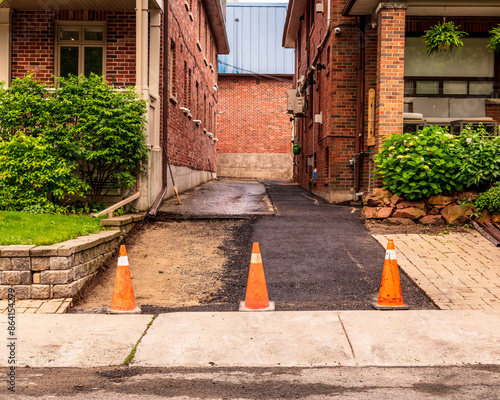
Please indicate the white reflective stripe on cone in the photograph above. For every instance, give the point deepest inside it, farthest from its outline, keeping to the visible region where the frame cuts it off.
(390, 255)
(122, 261)
(256, 258)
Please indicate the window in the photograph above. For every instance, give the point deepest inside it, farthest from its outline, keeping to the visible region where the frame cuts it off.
(171, 78)
(468, 72)
(80, 49)
(189, 94)
(199, 21)
(206, 38)
(185, 84)
(197, 102)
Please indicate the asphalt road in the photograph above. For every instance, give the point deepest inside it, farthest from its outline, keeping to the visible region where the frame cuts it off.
(370, 383)
(319, 256)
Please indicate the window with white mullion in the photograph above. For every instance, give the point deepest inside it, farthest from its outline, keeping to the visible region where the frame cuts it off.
(80, 49)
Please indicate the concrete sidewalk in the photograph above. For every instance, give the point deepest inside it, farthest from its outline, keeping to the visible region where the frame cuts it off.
(264, 339)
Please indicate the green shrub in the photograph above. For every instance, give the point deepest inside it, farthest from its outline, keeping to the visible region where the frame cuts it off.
(102, 130)
(480, 158)
(419, 165)
(25, 106)
(95, 134)
(489, 200)
(32, 173)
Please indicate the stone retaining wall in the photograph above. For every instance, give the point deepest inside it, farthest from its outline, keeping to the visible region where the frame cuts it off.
(60, 270)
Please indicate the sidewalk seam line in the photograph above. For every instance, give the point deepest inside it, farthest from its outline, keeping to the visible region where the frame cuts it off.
(346, 336)
(131, 356)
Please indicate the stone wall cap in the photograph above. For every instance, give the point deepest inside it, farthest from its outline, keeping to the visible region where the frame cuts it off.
(41, 251)
(16, 250)
(118, 221)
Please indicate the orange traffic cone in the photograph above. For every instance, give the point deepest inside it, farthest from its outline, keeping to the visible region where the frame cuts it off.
(123, 301)
(256, 298)
(390, 296)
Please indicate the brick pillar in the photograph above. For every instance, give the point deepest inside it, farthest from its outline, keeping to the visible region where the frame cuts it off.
(390, 70)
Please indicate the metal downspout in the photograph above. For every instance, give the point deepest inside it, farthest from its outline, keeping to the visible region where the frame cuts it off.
(359, 108)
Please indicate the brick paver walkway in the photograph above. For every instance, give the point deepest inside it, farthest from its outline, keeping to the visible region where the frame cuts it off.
(458, 271)
(52, 306)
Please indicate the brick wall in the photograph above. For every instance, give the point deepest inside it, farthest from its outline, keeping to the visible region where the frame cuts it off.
(390, 73)
(33, 49)
(189, 144)
(252, 115)
(33, 44)
(334, 93)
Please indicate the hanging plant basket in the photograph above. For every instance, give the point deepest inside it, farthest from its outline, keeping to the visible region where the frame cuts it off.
(443, 37)
(494, 43)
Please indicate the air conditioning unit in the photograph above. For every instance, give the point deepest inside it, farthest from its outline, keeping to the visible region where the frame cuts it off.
(295, 104)
(299, 108)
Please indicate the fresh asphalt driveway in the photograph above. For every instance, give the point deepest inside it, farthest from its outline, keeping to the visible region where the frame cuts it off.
(319, 256)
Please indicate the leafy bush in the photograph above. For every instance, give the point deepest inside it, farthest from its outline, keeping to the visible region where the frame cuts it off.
(419, 165)
(24, 106)
(480, 158)
(102, 129)
(88, 136)
(32, 173)
(489, 200)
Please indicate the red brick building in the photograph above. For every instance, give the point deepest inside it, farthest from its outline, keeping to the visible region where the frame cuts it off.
(125, 41)
(254, 130)
(362, 70)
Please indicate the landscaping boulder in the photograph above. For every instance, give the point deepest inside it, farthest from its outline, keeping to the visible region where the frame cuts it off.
(485, 216)
(440, 201)
(431, 220)
(395, 199)
(455, 214)
(376, 212)
(399, 221)
(411, 213)
(420, 204)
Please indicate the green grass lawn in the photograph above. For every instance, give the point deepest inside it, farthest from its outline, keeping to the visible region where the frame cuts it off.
(44, 229)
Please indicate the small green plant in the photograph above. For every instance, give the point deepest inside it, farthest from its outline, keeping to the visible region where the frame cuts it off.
(442, 37)
(494, 43)
(417, 166)
(489, 200)
(480, 154)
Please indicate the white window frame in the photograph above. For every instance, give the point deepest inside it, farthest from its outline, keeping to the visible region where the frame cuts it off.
(81, 43)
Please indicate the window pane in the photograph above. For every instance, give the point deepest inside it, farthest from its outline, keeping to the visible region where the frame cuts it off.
(409, 88)
(93, 60)
(472, 60)
(69, 61)
(485, 88)
(427, 87)
(69, 34)
(454, 87)
(96, 34)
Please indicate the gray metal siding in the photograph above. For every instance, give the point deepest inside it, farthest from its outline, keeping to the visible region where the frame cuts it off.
(254, 34)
